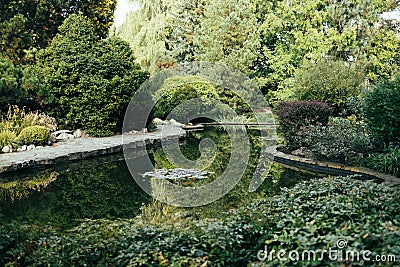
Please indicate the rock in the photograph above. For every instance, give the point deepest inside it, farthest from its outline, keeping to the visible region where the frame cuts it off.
(22, 148)
(6, 149)
(175, 123)
(144, 130)
(131, 132)
(53, 138)
(38, 147)
(56, 133)
(159, 121)
(298, 152)
(64, 136)
(79, 133)
(30, 147)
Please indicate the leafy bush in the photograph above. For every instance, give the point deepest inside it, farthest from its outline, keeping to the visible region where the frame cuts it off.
(341, 141)
(388, 162)
(91, 80)
(382, 111)
(19, 86)
(295, 115)
(34, 135)
(315, 214)
(177, 90)
(329, 81)
(7, 138)
(353, 108)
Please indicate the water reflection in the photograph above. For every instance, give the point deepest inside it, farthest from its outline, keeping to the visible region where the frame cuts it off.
(104, 188)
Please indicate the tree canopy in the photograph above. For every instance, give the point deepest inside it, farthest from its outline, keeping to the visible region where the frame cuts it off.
(164, 32)
(347, 30)
(28, 25)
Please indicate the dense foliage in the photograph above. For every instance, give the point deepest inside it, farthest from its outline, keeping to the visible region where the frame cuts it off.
(28, 25)
(293, 116)
(34, 135)
(341, 141)
(315, 214)
(92, 81)
(162, 33)
(332, 82)
(382, 111)
(18, 85)
(177, 90)
(296, 219)
(295, 32)
(386, 162)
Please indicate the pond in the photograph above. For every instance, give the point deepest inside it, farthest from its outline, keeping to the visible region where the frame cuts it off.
(104, 188)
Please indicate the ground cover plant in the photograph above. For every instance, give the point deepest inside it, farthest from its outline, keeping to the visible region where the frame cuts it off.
(312, 215)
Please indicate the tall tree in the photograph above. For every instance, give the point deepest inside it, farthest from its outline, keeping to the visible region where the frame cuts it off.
(145, 30)
(294, 31)
(29, 24)
(228, 34)
(164, 32)
(183, 21)
(91, 80)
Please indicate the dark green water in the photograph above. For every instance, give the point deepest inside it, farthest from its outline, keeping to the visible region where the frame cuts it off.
(104, 188)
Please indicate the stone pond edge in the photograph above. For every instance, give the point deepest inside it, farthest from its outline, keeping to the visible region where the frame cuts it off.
(115, 146)
(151, 139)
(331, 168)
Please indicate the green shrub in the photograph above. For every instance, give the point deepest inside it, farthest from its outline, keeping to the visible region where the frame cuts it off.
(387, 162)
(315, 214)
(382, 111)
(91, 80)
(353, 108)
(329, 81)
(34, 135)
(295, 115)
(340, 141)
(11, 89)
(7, 138)
(177, 90)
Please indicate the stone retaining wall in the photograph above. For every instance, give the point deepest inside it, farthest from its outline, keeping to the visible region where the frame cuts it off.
(334, 168)
(83, 148)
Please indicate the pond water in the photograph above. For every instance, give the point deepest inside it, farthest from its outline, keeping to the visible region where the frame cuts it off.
(104, 188)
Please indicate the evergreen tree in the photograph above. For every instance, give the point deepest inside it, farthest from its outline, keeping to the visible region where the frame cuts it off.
(91, 80)
(31, 24)
(19, 86)
(183, 21)
(228, 34)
